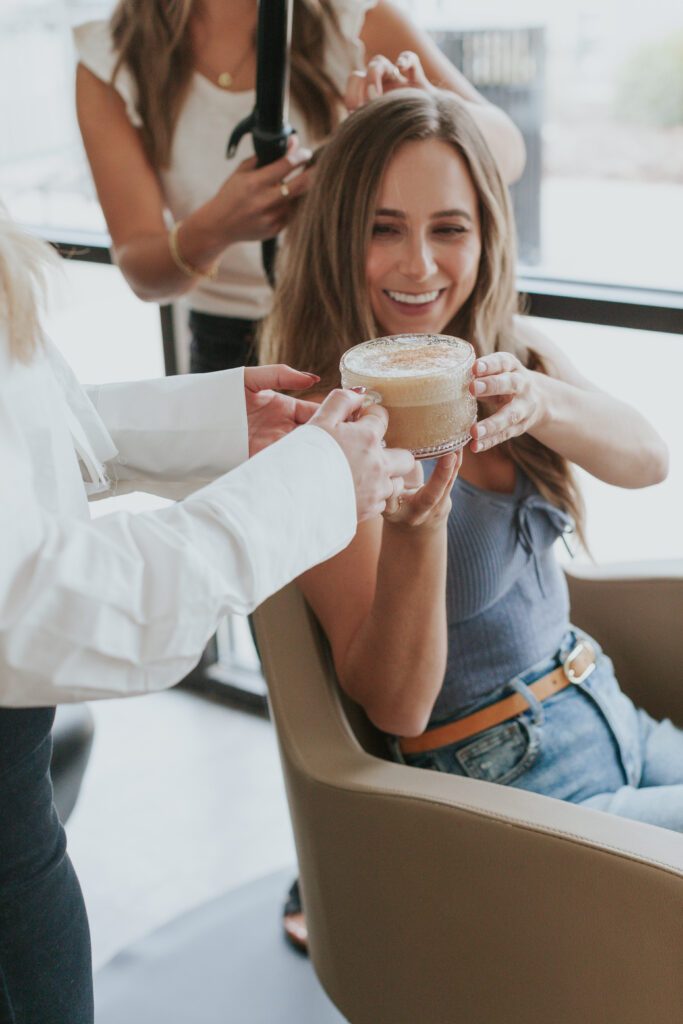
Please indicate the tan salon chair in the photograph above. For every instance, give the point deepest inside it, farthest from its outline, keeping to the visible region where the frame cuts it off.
(435, 899)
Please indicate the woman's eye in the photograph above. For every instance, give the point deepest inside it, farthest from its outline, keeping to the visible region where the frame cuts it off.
(450, 230)
(384, 230)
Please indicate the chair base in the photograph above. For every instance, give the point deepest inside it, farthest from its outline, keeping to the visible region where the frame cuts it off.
(226, 962)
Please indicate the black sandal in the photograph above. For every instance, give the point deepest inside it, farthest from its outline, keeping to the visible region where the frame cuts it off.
(293, 920)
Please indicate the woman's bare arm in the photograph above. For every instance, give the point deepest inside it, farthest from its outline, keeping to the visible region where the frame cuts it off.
(249, 204)
(382, 605)
(605, 436)
(388, 31)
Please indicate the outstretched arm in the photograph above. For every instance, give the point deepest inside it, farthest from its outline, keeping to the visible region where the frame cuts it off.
(388, 31)
(605, 436)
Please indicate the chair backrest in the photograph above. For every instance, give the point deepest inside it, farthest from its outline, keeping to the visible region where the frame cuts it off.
(432, 899)
(636, 614)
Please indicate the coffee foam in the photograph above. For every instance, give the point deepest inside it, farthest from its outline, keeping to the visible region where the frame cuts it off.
(407, 356)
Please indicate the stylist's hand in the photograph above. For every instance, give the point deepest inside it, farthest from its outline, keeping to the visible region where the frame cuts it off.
(256, 202)
(378, 473)
(501, 380)
(383, 75)
(426, 505)
(270, 415)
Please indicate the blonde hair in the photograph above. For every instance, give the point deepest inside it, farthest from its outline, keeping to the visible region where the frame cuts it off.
(322, 307)
(152, 38)
(24, 264)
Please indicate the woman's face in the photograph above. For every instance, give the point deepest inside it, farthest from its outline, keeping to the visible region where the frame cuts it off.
(423, 258)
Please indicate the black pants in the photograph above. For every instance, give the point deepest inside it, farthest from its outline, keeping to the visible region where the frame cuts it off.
(221, 342)
(45, 963)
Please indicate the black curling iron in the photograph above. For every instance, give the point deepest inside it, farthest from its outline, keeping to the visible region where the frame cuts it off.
(267, 123)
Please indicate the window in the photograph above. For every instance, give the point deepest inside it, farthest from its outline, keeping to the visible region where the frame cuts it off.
(597, 88)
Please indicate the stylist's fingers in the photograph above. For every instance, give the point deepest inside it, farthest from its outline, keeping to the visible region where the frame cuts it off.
(409, 66)
(273, 174)
(379, 77)
(297, 185)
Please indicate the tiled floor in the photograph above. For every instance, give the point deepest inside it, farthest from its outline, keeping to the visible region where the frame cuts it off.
(182, 800)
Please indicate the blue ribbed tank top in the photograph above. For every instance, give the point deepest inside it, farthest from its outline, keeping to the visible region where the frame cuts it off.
(506, 595)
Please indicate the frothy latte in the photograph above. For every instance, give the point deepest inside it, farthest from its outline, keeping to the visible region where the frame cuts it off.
(423, 383)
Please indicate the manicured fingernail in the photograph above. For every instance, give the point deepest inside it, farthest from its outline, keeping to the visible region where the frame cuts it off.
(299, 156)
(481, 431)
(481, 366)
(359, 389)
(479, 387)
(373, 92)
(314, 376)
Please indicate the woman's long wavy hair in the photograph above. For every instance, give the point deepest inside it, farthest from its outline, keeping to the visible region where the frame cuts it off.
(24, 265)
(322, 306)
(153, 41)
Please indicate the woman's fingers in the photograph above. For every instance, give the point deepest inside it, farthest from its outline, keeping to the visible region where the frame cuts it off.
(508, 422)
(496, 362)
(380, 76)
(408, 63)
(503, 383)
(428, 503)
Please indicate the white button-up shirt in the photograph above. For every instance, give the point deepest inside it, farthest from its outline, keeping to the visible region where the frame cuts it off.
(125, 603)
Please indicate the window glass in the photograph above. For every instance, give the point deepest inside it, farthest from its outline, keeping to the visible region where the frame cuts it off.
(638, 367)
(597, 88)
(44, 177)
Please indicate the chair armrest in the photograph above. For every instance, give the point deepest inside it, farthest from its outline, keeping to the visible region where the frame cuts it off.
(635, 611)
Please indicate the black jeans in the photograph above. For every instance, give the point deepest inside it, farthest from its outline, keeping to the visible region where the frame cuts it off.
(221, 342)
(45, 963)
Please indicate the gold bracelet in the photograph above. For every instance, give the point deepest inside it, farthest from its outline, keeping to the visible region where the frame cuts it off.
(180, 261)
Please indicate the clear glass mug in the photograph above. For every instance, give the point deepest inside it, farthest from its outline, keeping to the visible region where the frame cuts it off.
(423, 382)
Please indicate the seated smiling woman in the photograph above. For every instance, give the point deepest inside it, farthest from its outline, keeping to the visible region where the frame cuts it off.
(448, 616)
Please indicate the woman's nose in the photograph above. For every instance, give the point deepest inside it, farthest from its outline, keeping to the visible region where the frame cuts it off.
(418, 259)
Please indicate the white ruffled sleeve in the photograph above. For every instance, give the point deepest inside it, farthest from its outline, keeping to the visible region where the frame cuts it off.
(94, 49)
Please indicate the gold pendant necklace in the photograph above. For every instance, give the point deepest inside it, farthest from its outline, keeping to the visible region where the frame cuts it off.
(226, 79)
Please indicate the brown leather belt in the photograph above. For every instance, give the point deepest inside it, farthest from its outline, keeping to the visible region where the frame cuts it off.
(576, 667)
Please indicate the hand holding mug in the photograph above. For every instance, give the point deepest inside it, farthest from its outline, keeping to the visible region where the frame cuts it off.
(501, 380)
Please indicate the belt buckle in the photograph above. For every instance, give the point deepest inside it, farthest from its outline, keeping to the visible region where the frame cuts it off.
(576, 650)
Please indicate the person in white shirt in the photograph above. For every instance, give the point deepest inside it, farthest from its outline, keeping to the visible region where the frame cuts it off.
(125, 603)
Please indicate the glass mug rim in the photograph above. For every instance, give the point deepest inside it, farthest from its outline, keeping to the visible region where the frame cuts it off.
(429, 338)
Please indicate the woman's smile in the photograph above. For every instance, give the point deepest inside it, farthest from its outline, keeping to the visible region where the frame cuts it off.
(415, 303)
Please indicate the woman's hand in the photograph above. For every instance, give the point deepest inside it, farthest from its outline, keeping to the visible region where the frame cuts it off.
(425, 505)
(382, 75)
(501, 380)
(257, 202)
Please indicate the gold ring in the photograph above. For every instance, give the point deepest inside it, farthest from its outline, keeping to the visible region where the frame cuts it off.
(284, 189)
(395, 74)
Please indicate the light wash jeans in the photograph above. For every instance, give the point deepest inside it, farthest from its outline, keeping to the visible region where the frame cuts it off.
(587, 744)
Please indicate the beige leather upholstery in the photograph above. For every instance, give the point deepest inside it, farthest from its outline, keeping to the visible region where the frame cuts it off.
(434, 899)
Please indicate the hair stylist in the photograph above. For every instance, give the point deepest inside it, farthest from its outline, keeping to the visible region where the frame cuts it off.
(159, 88)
